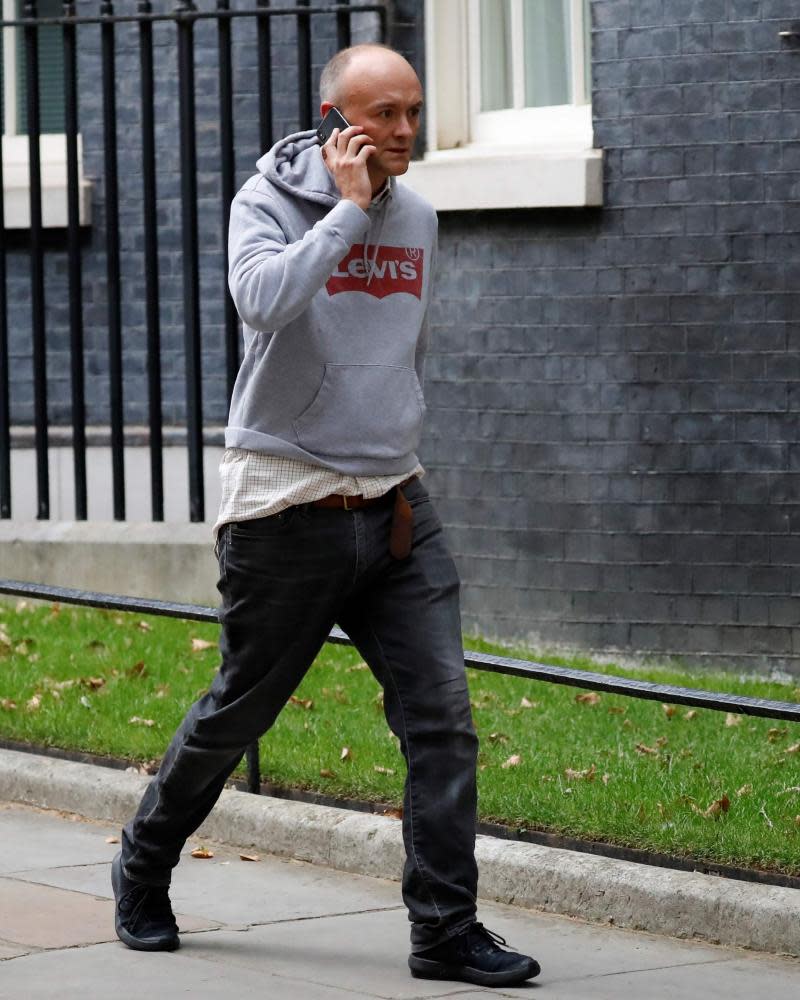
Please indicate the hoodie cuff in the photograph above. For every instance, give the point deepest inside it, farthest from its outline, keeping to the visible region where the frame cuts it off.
(348, 221)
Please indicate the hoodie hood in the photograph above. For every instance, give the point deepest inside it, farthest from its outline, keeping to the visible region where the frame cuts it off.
(296, 166)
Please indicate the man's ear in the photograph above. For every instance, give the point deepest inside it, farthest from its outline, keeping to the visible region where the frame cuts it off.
(325, 107)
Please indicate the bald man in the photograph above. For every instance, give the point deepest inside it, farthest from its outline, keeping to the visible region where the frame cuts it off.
(324, 519)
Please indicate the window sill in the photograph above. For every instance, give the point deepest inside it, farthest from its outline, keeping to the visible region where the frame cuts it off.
(16, 184)
(490, 177)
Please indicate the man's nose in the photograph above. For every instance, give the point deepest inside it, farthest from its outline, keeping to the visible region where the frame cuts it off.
(405, 126)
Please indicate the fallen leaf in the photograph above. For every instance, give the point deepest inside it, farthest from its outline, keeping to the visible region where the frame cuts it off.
(691, 714)
(383, 770)
(794, 748)
(670, 710)
(144, 626)
(21, 648)
(112, 840)
(662, 741)
(249, 857)
(357, 666)
(616, 710)
(85, 701)
(393, 813)
(93, 682)
(345, 754)
(327, 773)
(198, 645)
(7, 704)
(137, 670)
(643, 749)
(586, 775)
(513, 761)
(135, 720)
(733, 720)
(498, 738)
(306, 703)
(32, 704)
(775, 734)
(606, 778)
(202, 852)
(527, 703)
(589, 698)
(715, 810)
(744, 790)
(791, 788)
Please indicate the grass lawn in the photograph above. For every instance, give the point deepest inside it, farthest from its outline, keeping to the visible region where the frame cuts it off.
(696, 783)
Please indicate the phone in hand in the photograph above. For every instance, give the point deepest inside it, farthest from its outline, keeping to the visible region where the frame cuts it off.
(333, 119)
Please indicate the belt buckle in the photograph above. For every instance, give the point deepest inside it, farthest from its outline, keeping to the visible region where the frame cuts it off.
(344, 498)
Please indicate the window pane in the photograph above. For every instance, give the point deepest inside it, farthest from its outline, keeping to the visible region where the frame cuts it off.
(51, 72)
(496, 86)
(548, 52)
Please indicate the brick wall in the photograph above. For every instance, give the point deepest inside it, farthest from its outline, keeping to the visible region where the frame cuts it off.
(613, 425)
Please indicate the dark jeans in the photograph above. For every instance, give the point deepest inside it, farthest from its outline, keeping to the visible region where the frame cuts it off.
(285, 580)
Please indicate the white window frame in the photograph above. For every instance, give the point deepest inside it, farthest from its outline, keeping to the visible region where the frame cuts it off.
(520, 157)
(52, 153)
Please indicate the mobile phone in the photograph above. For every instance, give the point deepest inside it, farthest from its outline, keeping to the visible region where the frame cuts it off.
(333, 119)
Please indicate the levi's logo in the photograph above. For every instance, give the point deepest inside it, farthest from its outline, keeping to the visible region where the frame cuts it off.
(395, 269)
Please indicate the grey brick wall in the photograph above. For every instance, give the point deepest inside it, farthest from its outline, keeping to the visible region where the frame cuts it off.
(612, 431)
(613, 420)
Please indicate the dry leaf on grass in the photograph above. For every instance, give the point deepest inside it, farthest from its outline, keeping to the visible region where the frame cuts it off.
(327, 773)
(32, 704)
(498, 738)
(93, 682)
(775, 734)
(670, 710)
(691, 714)
(198, 645)
(383, 770)
(644, 749)
(137, 669)
(306, 703)
(586, 775)
(202, 852)
(144, 626)
(606, 778)
(733, 720)
(715, 810)
(357, 666)
(85, 701)
(136, 720)
(7, 704)
(513, 761)
(616, 710)
(249, 857)
(345, 754)
(794, 748)
(589, 698)
(527, 703)
(744, 790)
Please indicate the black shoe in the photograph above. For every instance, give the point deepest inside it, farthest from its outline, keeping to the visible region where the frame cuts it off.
(474, 956)
(143, 918)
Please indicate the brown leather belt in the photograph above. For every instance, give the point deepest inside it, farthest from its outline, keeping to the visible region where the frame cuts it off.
(401, 535)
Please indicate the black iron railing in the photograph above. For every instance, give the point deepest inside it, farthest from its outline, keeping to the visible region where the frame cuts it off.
(608, 683)
(79, 28)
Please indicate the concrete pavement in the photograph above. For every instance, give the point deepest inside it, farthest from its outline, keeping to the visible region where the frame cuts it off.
(287, 929)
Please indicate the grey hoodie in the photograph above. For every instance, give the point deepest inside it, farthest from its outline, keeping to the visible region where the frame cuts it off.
(333, 302)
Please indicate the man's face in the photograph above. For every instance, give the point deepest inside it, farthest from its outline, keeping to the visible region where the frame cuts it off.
(384, 96)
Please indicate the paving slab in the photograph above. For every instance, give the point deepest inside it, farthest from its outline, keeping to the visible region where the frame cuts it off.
(39, 841)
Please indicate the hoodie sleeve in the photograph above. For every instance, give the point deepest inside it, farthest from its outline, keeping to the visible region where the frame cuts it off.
(272, 281)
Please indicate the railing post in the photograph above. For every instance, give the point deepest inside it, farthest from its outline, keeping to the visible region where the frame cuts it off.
(191, 284)
(74, 263)
(112, 258)
(151, 263)
(5, 380)
(31, 33)
(304, 109)
(227, 171)
(264, 41)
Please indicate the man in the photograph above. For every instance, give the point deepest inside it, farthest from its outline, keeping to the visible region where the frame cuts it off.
(323, 518)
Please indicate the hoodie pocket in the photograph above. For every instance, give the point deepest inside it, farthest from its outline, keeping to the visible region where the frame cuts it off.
(369, 411)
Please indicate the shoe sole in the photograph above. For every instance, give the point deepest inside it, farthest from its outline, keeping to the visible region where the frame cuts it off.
(425, 968)
(138, 944)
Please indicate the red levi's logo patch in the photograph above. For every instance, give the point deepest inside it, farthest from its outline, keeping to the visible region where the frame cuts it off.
(395, 269)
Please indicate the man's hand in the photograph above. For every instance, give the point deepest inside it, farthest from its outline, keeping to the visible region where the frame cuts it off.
(345, 155)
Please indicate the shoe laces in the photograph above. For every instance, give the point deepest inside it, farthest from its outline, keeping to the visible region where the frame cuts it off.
(150, 902)
(483, 938)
